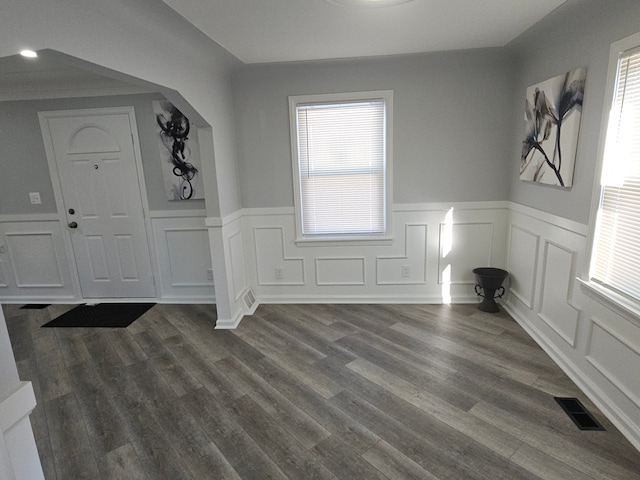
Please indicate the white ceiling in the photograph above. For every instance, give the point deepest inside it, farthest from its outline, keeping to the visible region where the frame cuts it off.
(31, 78)
(261, 31)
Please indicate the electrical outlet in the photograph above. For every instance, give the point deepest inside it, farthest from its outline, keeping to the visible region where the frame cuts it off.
(35, 198)
(406, 271)
(209, 274)
(279, 273)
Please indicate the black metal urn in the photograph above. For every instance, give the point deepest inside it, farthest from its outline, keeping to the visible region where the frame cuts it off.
(489, 281)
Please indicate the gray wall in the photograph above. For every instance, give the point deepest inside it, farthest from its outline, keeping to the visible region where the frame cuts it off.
(145, 41)
(578, 34)
(452, 123)
(23, 162)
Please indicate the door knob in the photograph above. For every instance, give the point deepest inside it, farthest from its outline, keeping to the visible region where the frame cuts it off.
(73, 225)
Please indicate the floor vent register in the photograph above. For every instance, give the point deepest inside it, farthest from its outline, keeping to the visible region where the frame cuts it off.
(583, 419)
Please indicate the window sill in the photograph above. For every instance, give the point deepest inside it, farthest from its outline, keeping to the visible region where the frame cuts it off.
(611, 300)
(342, 241)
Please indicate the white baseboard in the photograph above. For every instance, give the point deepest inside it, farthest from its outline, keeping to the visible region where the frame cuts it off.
(363, 299)
(232, 323)
(187, 299)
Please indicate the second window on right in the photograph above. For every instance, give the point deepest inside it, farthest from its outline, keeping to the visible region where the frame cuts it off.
(615, 262)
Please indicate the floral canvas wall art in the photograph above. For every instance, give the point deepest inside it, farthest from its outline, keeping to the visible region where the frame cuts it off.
(552, 122)
(179, 152)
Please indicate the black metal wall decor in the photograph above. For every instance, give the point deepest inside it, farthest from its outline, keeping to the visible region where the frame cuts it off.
(179, 152)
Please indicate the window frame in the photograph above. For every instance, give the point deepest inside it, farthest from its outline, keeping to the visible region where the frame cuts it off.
(335, 98)
(624, 305)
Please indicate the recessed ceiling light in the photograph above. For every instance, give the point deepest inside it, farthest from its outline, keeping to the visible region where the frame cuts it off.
(28, 53)
(368, 3)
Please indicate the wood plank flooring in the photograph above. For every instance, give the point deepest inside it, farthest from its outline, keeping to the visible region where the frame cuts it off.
(306, 392)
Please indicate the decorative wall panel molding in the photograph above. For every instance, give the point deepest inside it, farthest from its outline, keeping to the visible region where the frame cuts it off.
(274, 267)
(235, 252)
(3, 273)
(463, 246)
(340, 271)
(558, 273)
(188, 265)
(411, 267)
(598, 348)
(403, 269)
(33, 261)
(615, 357)
(523, 263)
(35, 265)
(523, 212)
(238, 269)
(30, 218)
(183, 258)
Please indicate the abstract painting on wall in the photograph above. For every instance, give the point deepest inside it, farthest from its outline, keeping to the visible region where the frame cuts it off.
(179, 152)
(552, 122)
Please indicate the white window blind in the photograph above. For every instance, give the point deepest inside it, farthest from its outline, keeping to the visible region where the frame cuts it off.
(616, 253)
(341, 167)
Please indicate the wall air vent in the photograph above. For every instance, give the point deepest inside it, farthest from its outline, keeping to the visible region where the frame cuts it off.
(583, 419)
(249, 299)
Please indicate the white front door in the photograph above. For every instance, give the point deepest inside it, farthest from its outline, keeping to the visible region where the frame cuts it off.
(96, 165)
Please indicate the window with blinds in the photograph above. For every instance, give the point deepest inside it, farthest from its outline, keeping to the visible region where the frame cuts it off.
(340, 164)
(616, 251)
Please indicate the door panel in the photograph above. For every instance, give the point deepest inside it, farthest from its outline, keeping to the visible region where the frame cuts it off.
(96, 165)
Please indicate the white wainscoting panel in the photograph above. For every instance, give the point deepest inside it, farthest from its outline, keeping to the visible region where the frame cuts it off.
(596, 347)
(464, 246)
(340, 271)
(523, 262)
(393, 270)
(270, 255)
(235, 298)
(3, 272)
(33, 262)
(188, 262)
(616, 357)
(402, 270)
(35, 265)
(558, 276)
(238, 269)
(184, 259)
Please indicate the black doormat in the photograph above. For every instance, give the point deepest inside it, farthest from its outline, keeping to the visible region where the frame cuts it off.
(35, 306)
(103, 315)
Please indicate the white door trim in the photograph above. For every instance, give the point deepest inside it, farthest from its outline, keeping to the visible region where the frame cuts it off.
(57, 185)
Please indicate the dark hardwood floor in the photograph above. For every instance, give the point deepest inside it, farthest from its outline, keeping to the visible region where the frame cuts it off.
(306, 392)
